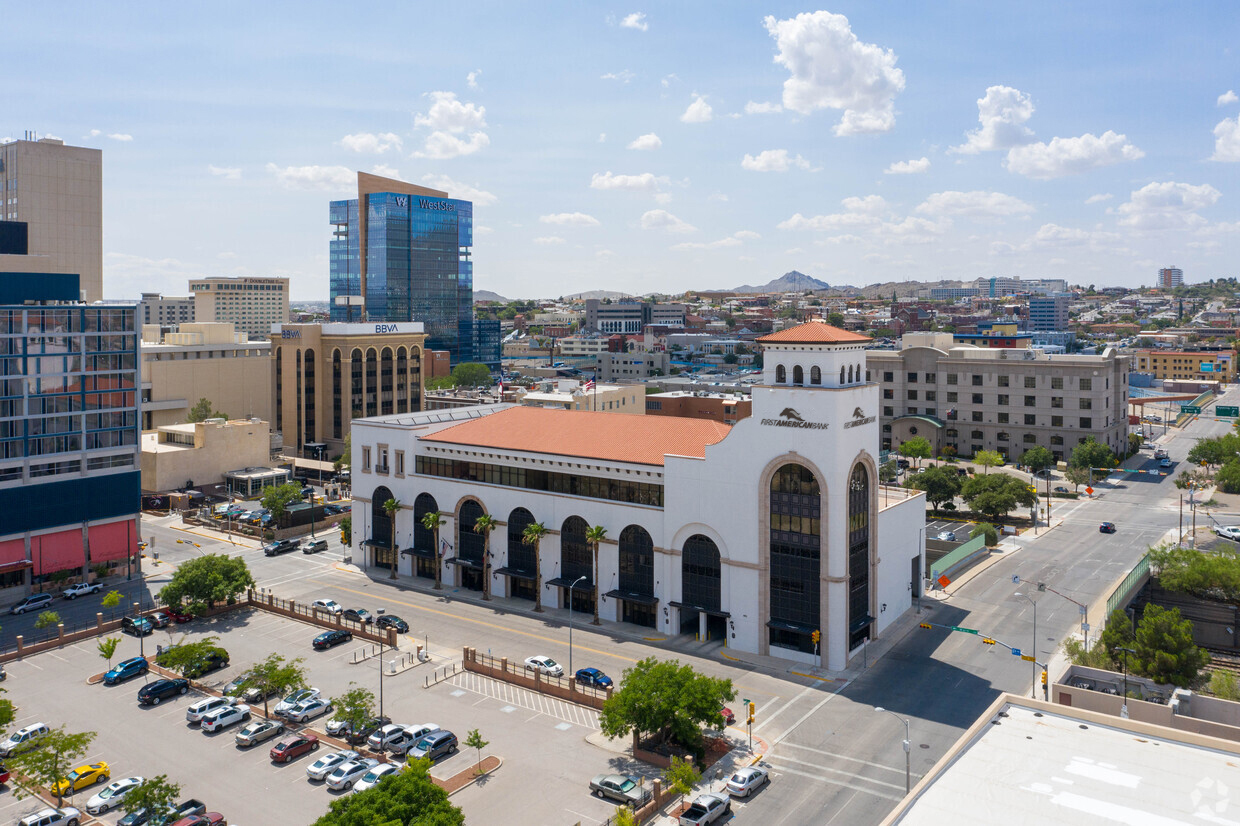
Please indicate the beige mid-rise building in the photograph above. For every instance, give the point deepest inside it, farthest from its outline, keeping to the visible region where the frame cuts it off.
(57, 191)
(184, 455)
(251, 305)
(203, 361)
(569, 394)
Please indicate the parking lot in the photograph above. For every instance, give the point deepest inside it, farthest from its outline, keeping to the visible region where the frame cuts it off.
(548, 760)
(939, 526)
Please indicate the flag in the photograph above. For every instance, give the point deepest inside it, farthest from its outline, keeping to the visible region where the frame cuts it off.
(589, 385)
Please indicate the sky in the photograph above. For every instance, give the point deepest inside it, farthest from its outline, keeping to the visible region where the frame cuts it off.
(644, 148)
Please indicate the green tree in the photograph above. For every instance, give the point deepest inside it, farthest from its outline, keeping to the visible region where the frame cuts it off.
(1077, 476)
(730, 358)
(988, 459)
(1165, 649)
(1134, 443)
(47, 619)
(187, 658)
(941, 485)
(1037, 458)
(432, 522)
(471, 374)
(484, 525)
(355, 708)
(1095, 657)
(111, 600)
(392, 507)
(1091, 454)
(624, 817)
(988, 530)
(205, 580)
(155, 794)
(58, 750)
(107, 648)
(475, 741)
(1214, 575)
(533, 535)
(201, 411)
(405, 798)
(667, 700)
(681, 776)
(345, 458)
(1224, 686)
(996, 496)
(835, 319)
(594, 537)
(277, 498)
(917, 448)
(888, 472)
(439, 383)
(1116, 634)
(273, 676)
(346, 531)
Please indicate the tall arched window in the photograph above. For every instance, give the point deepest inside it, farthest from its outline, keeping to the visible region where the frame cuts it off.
(815, 375)
(700, 574)
(372, 383)
(280, 389)
(337, 397)
(520, 555)
(796, 551)
(859, 616)
(841, 376)
(577, 561)
(402, 395)
(423, 538)
(858, 372)
(798, 375)
(385, 382)
(311, 396)
(636, 561)
(850, 374)
(357, 399)
(470, 541)
(781, 375)
(381, 528)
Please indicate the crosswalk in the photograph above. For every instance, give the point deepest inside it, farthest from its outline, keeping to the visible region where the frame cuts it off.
(513, 697)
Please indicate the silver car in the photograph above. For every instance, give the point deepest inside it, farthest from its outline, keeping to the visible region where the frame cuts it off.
(325, 765)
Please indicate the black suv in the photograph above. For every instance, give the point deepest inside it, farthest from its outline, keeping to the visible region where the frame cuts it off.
(213, 662)
(151, 693)
(138, 626)
(281, 547)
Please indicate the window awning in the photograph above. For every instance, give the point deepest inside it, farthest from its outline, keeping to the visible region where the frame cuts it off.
(371, 543)
(860, 623)
(794, 627)
(633, 597)
(424, 553)
(516, 573)
(686, 606)
(465, 563)
(9, 567)
(563, 582)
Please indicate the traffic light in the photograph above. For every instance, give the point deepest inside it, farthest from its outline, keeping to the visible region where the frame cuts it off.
(752, 707)
(815, 636)
(1044, 677)
(987, 641)
(925, 625)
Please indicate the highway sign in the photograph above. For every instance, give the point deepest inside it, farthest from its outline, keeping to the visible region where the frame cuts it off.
(1016, 651)
(1191, 409)
(1222, 410)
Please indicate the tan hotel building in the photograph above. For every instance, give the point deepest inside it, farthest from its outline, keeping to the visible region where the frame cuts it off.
(1195, 365)
(251, 305)
(326, 375)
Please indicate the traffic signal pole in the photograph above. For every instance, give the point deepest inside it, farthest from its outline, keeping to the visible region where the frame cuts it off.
(992, 641)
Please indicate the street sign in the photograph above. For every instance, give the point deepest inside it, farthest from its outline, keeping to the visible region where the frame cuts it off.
(1222, 410)
(1191, 409)
(1016, 579)
(1027, 658)
(964, 630)
(1089, 490)
(1016, 651)
(943, 581)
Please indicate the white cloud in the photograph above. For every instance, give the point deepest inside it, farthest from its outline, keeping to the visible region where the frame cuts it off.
(1070, 156)
(752, 108)
(1227, 141)
(831, 223)
(1002, 113)
(746, 235)
(447, 114)
(570, 219)
(831, 69)
(94, 133)
(479, 229)
(793, 251)
(908, 167)
(232, 173)
(471, 79)
(913, 230)
(1227, 97)
(314, 177)
(645, 182)
(444, 146)
(1099, 198)
(636, 20)
(646, 142)
(371, 143)
(602, 137)
(624, 76)
(869, 205)
(698, 112)
(662, 219)
(733, 240)
(117, 136)
(548, 240)
(720, 197)
(1055, 235)
(663, 198)
(667, 80)
(226, 256)
(773, 160)
(973, 204)
(1167, 205)
(386, 171)
(604, 253)
(466, 192)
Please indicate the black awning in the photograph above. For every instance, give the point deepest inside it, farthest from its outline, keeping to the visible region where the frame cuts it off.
(709, 612)
(794, 627)
(633, 597)
(424, 553)
(464, 563)
(370, 543)
(562, 582)
(516, 573)
(860, 623)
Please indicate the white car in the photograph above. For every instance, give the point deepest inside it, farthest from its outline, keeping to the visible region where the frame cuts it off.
(545, 665)
(308, 710)
(404, 741)
(74, 591)
(22, 739)
(222, 718)
(346, 774)
(112, 795)
(202, 708)
(1228, 531)
(325, 765)
(328, 605)
(300, 696)
(382, 738)
(372, 777)
(745, 782)
(66, 816)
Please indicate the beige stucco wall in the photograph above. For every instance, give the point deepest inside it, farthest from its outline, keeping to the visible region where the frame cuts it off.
(238, 382)
(218, 448)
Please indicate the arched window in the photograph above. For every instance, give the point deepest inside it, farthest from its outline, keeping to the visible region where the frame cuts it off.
(796, 550)
(576, 561)
(423, 539)
(798, 375)
(337, 397)
(781, 375)
(310, 395)
(700, 573)
(381, 528)
(815, 375)
(841, 376)
(385, 382)
(636, 561)
(469, 542)
(372, 382)
(850, 374)
(356, 397)
(402, 396)
(858, 372)
(859, 616)
(520, 555)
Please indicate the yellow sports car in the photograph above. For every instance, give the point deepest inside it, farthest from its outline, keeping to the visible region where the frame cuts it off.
(81, 777)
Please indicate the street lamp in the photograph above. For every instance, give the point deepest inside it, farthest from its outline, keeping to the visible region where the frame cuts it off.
(570, 621)
(1123, 711)
(907, 758)
(1033, 689)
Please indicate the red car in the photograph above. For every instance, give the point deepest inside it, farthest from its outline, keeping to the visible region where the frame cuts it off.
(4, 775)
(294, 746)
(728, 717)
(205, 819)
(178, 615)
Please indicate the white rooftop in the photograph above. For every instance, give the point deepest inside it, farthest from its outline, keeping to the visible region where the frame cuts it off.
(1039, 767)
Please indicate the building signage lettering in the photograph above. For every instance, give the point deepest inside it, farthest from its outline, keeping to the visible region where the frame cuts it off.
(859, 418)
(387, 328)
(790, 418)
(290, 334)
(401, 201)
(443, 205)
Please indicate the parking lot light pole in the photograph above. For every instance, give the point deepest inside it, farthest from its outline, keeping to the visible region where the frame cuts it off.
(908, 772)
(1123, 711)
(570, 621)
(1033, 690)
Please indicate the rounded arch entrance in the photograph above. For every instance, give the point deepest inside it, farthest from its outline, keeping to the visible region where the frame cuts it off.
(426, 553)
(381, 528)
(635, 589)
(522, 565)
(701, 588)
(470, 545)
(791, 553)
(576, 561)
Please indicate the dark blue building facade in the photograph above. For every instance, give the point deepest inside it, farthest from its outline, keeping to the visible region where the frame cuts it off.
(487, 342)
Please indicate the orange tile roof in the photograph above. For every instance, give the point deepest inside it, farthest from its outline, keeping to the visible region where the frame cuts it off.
(613, 437)
(813, 332)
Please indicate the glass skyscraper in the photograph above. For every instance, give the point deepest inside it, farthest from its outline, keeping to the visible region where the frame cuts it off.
(407, 256)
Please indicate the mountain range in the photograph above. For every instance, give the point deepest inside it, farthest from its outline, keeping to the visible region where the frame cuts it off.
(789, 282)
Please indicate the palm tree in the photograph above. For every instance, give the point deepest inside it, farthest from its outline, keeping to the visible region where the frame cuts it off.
(392, 507)
(484, 525)
(595, 536)
(533, 535)
(431, 521)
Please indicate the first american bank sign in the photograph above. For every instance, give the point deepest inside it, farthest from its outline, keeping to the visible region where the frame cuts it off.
(360, 329)
(790, 418)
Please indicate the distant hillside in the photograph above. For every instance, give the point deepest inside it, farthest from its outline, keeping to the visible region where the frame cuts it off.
(788, 282)
(487, 295)
(599, 294)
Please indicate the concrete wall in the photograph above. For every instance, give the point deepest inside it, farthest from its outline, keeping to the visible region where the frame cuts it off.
(218, 448)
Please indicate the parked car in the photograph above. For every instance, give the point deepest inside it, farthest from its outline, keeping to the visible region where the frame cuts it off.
(331, 638)
(705, 809)
(202, 708)
(544, 665)
(142, 817)
(622, 789)
(328, 605)
(1106, 527)
(404, 741)
(313, 546)
(214, 661)
(946, 536)
(64, 816)
(138, 626)
(298, 696)
(728, 716)
(294, 746)
(434, 745)
(746, 781)
(1164, 463)
(339, 728)
(111, 796)
(204, 819)
(379, 740)
(593, 677)
(302, 712)
(4, 774)
(346, 774)
(81, 589)
(222, 718)
(392, 621)
(257, 732)
(125, 669)
(358, 615)
(160, 619)
(152, 694)
(1061, 489)
(85, 775)
(1228, 531)
(283, 546)
(31, 603)
(372, 777)
(178, 615)
(23, 739)
(324, 766)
